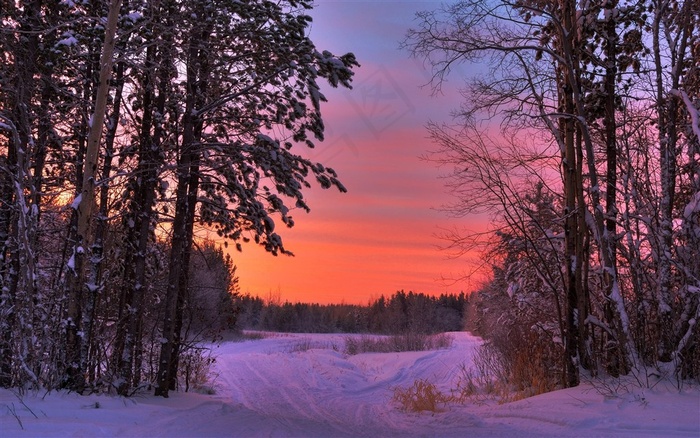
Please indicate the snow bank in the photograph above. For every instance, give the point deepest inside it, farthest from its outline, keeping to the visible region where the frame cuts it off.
(303, 385)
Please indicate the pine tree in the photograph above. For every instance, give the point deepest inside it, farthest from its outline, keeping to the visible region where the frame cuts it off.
(258, 75)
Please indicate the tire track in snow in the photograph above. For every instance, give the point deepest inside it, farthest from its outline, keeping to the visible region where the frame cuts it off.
(261, 384)
(342, 395)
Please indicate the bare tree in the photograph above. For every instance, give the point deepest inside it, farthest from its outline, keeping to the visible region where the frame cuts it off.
(568, 71)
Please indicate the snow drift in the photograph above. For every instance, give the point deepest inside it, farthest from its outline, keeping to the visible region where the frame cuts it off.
(304, 385)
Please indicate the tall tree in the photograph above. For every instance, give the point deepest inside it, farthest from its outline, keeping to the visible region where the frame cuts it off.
(567, 69)
(27, 97)
(674, 32)
(151, 148)
(257, 77)
(539, 80)
(223, 134)
(85, 205)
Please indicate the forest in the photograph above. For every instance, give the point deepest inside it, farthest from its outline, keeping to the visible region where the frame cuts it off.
(397, 314)
(128, 130)
(132, 130)
(582, 143)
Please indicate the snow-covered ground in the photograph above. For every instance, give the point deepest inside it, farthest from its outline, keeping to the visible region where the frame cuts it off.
(303, 385)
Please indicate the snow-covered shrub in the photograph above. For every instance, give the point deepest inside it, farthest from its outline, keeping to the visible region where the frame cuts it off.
(195, 370)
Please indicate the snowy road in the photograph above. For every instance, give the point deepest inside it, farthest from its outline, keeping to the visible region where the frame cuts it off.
(304, 386)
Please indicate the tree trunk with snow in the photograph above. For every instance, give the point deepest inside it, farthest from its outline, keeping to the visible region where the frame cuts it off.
(76, 362)
(188, 182)
(19, 216)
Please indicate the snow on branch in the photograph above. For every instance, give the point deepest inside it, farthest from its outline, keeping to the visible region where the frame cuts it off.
(692, 109)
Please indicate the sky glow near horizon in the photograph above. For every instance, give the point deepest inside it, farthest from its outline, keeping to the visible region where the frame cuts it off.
(379, 237)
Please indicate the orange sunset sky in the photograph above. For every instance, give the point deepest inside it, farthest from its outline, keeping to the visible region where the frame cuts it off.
(379, 237)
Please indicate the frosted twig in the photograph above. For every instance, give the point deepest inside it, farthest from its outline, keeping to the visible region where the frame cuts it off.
(12, 410)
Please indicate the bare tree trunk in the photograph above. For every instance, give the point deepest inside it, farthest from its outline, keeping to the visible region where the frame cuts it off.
(98, 247)
(183, 292)
(151, 156)
(667, 112)
(188, 183)
(77, 363)
(19, 218)
(605, 242)
(617, 362)
(572, 233)
(179, 245)
(7, 308)
(583, 263)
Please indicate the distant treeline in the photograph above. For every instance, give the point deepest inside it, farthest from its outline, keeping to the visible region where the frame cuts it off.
(400, 313)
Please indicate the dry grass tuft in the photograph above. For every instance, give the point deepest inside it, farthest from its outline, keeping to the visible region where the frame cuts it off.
(306, 344)
(422, 396)
(396, 343)
(496, 376)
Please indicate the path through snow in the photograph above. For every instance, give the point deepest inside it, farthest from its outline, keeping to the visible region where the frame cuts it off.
(303, 385)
